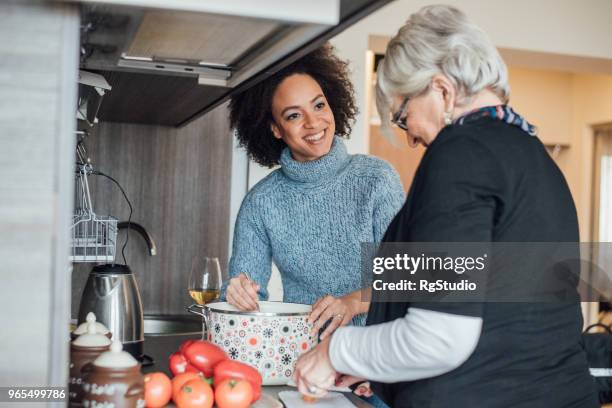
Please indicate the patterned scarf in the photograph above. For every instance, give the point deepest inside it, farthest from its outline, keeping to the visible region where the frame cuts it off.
(499, 112)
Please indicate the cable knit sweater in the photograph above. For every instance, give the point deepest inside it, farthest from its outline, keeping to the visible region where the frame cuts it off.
(310, 218)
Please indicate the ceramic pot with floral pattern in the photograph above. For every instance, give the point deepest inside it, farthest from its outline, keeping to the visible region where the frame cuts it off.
(270, 339)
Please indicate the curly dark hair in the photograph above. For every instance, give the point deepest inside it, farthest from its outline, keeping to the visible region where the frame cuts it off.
(251, 110)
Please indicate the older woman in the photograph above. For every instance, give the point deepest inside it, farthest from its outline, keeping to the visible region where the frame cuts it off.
(310, 215)
(484, 178)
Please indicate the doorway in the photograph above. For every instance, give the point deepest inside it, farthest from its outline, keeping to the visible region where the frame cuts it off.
(602, 205)
(602, 184)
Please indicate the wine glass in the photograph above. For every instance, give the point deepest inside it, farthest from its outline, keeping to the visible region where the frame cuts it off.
(204, 285)
(204, 280)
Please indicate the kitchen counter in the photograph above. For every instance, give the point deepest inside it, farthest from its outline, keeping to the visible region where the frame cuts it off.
(160, 348)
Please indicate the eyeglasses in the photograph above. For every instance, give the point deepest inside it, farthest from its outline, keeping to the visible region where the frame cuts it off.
(399, 119)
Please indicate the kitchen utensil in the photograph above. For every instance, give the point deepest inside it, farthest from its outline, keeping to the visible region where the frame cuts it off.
(270, 339)
(292, 383)
(94, 237)
(252, 282)
(112, 294)
(293, 399)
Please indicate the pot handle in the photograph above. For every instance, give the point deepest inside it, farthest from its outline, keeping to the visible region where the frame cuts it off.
(201, 312)
(194, 309)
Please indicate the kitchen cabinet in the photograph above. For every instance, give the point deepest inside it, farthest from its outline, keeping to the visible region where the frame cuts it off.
(38, 72)
(169, 65)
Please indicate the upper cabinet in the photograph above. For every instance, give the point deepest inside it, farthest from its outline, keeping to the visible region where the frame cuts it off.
(170, 62)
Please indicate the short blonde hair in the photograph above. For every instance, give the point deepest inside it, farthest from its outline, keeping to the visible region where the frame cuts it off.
(439, 40)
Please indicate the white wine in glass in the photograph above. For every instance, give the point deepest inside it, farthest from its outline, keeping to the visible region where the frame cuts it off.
(203, 296)
(205, 280)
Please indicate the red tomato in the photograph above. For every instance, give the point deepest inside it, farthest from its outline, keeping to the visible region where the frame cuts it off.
(231, 393)
(236, 370)
(180, 379)
(179, 364)
(158, 390)
(195, 394)
(204, 356)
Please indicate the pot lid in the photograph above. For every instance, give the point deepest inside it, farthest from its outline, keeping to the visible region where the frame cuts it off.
(91, 338)
(91, 318)
(111, 269)
(116, 357)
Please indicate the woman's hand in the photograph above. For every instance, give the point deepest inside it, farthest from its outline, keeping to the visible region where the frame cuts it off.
(314, 373)
(339, 311)
(242, 293)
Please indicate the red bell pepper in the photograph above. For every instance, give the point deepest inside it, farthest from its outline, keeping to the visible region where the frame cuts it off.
(185, 344)
(203, 355)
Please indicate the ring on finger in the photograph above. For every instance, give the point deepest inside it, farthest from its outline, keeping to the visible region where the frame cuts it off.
(339, 316)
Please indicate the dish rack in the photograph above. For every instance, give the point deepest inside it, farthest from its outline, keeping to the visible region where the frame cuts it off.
(94, 237)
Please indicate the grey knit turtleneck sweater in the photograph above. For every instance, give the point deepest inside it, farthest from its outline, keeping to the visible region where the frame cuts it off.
(310, 218)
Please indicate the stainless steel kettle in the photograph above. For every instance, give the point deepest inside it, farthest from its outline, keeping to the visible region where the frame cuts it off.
(112, 294)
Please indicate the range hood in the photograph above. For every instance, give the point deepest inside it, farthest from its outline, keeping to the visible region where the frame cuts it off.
(169, 62)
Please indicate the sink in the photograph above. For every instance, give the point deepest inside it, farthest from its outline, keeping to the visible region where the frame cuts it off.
(165, 325)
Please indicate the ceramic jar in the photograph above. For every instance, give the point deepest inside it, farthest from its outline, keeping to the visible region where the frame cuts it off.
(83, 351)
(114, 380)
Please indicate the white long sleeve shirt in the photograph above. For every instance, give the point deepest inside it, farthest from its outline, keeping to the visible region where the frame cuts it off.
(422, 344)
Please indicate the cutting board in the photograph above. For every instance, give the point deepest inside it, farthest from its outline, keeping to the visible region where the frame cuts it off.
(266, 401)
(293, 399)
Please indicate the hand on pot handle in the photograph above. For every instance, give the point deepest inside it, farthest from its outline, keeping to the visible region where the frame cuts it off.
(338, 311)
(242, 293)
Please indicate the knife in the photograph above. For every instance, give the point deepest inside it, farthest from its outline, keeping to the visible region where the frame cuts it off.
(292, 383)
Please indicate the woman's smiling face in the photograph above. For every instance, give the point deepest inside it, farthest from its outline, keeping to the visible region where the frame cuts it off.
(303, 118)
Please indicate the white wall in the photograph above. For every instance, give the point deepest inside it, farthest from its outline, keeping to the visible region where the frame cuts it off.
(571, 27)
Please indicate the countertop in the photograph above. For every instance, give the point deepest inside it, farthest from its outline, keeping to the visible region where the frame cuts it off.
(160, 348)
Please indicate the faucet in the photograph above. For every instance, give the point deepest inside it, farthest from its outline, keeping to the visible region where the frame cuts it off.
(131, 225)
